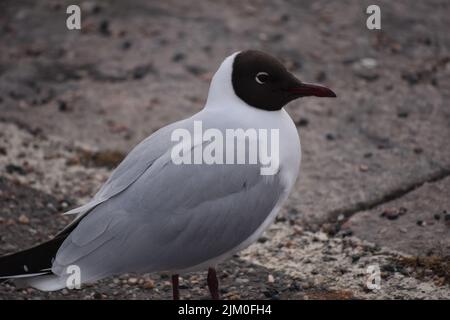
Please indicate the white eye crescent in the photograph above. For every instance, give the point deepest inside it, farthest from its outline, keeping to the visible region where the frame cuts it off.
(261, 77)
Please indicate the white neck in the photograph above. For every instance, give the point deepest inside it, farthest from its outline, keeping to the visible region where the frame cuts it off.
(221, 90)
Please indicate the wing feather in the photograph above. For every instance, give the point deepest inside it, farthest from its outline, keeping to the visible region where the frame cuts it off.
(172, 217)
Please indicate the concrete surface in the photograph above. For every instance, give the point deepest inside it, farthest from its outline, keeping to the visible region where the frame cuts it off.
(72, 103)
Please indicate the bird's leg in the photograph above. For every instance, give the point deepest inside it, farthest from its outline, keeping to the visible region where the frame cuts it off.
(213, 284)
(175, 289)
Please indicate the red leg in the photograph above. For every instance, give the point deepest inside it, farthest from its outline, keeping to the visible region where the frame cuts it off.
(213, 284)
(175, 289)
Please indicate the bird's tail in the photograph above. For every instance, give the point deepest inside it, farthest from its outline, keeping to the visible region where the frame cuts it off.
(32, 267)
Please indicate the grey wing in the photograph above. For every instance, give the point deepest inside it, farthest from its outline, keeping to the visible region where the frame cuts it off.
(132, 167)
(173, 217)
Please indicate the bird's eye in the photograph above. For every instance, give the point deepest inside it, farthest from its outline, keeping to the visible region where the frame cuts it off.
(262, 77)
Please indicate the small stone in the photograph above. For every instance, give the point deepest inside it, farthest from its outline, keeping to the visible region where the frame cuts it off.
(12, 168)
(402, 114)
(141, 71)
(242, 280)
(23, 219)
(132, 280)
(330, 136)
(126, 45)
(302, 122)
(104, 28)
(366, 69)
(412, 78)
(270, 279)
(270, 293)
(97, 296)
(177, 57)
(295, 286)
(320, 236)
(437, 216)
(421, 223)
(263, 239)
(393, 213)
(346, 232)
(234, 297)
(62, 106)
(149, 284)
(363, 168)
(388, 268)
(368, 63)
(390, 213)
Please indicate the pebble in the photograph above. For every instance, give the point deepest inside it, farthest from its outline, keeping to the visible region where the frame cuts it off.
(149, 284)
(242, 280)
(302, 122)
(97, 296)
(141, 71)
(62, 106)
(270, 293)
(270, 278)
(263, 239)
(393, 213)
(421, 223)
(23, 219)
(177, 57)
(132, 280)
(234, 297)
(12, 168)
(366, 69)
(126, 45)
(320, 236)
(104, 28)
(368, 63)
(402, 114)
(363, 168)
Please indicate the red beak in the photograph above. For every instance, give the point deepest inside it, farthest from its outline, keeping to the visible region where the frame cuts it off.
(307, 89)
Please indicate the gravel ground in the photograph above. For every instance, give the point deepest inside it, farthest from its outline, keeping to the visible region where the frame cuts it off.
(374, 182)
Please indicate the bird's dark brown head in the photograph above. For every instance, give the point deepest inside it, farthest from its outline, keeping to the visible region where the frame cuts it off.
(263, 82)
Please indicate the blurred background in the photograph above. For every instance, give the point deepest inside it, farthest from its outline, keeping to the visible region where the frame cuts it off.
(375, 178)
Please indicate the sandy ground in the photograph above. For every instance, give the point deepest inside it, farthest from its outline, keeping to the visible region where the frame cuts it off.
(375, 175)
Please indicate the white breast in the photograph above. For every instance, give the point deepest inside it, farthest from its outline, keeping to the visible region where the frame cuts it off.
(290, 156)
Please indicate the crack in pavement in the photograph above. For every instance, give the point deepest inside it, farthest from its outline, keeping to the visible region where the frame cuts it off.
(339, 216)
